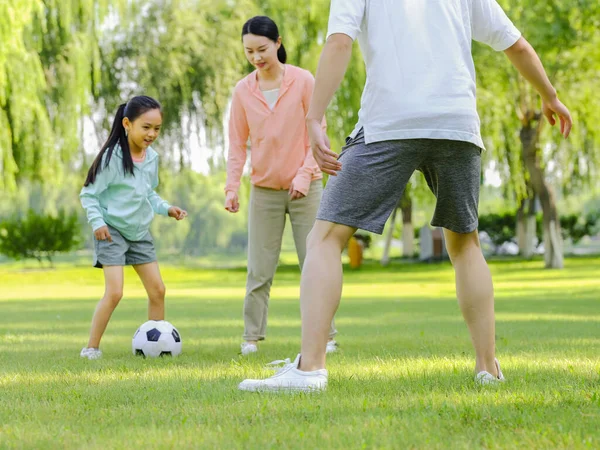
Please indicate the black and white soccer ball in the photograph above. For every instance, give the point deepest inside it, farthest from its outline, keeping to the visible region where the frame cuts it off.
(156, 338)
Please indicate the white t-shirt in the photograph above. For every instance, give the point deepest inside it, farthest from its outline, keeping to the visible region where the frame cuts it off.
(420, 71)
(271, 97)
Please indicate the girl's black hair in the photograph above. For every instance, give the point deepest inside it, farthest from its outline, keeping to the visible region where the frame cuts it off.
(132, 110)
(264, 26)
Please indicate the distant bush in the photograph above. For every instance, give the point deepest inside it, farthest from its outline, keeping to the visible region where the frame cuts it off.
(502, 227)
(499, 227)
(576, 226)
(39, 236)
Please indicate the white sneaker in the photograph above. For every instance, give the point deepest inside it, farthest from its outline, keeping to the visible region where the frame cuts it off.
(248, 348)
(485, 378)
(91, 353)
(288, 379)
(332, 346)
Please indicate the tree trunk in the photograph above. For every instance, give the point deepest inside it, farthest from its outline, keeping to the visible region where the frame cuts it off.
(385, 259)
(408, 231)
(531, 157)
(530, 233)
(521, 238)
(526, 226)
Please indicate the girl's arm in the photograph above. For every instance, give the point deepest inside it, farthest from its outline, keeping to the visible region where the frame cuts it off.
(90, 196)
(159, 205)
(238, 137)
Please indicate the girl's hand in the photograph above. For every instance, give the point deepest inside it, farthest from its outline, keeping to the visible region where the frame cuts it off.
(232, 203)
(102, 234)
(177, 213)
(295, 194)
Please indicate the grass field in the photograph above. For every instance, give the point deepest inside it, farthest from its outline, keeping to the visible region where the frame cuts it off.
(402, 377)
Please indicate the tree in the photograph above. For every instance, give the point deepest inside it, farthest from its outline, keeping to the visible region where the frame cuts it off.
(22, 86)
(49, 69)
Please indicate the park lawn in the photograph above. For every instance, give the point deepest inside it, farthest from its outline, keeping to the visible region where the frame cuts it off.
(401, 379)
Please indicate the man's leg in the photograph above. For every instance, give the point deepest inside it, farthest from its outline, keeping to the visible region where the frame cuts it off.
(475, 294)
(302, 216)
(363, 195)
(452, 170)
(321, 289)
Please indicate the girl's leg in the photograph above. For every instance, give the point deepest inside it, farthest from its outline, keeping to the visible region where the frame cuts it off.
(150, 275)
(113, 292)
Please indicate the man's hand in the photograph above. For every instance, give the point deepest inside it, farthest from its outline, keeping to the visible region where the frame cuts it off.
(177, 213)
(319, 144)
(554, 106)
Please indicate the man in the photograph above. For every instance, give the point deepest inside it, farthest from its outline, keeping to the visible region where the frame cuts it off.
(418, 112)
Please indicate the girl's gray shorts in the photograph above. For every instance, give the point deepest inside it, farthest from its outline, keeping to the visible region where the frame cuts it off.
(122, 251)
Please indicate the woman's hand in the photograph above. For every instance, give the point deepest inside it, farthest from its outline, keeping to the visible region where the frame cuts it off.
(232, 203)
(294, 193)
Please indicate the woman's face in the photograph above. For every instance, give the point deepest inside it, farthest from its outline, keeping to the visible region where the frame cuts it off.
(261, 51)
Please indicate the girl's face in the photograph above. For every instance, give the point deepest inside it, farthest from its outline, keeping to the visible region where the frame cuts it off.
(144, 130)
(261, 51)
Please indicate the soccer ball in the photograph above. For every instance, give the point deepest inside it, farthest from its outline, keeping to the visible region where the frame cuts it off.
(156, 338)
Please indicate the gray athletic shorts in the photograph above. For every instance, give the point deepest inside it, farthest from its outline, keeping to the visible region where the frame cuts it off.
(373, 177)
(122, 251)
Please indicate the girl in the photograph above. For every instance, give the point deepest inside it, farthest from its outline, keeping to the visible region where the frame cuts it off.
(120, 202)
(269, 107)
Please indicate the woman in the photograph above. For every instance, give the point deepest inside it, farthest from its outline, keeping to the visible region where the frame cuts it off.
(269, 107)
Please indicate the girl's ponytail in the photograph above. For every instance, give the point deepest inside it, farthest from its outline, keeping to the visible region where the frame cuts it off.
(117, 136)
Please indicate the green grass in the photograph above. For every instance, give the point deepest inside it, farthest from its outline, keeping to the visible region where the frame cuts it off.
(402, 378)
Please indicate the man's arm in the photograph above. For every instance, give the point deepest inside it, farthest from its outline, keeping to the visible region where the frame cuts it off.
(527, 62)
(330, 73)
(332, 67)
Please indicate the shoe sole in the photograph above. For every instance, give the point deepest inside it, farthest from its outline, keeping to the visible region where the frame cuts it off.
(282, 389)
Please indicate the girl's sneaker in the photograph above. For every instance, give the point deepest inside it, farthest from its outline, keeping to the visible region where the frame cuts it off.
(91, 353)
(248, 348)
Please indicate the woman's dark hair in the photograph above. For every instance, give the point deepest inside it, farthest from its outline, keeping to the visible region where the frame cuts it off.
(133, 109)
(264, 26)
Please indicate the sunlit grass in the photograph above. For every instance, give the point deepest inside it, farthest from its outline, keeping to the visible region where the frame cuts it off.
(402, 378)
